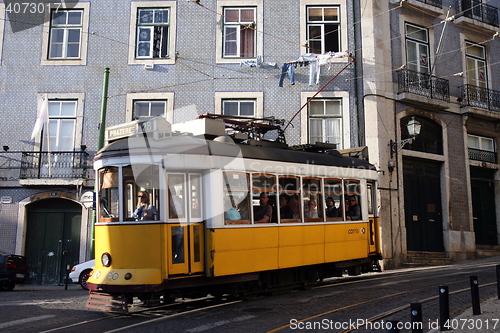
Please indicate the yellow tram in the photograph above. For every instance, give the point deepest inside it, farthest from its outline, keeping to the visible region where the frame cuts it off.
(201, 189)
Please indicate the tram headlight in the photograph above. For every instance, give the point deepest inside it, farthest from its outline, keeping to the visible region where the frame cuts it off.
(106, 259)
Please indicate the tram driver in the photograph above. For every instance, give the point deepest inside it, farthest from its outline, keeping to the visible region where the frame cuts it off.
(145, 211)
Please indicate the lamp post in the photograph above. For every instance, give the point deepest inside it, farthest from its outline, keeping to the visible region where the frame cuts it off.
(413, 127)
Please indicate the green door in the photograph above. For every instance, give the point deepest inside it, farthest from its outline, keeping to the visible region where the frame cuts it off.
(52, 239)
(483, 206)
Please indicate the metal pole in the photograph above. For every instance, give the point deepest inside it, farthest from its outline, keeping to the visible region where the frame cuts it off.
(416, 318)
(474, 290)
(444, 308)
(498, 280)
(102, 124)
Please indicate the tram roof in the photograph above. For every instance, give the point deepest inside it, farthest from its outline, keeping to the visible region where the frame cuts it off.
(186, 144)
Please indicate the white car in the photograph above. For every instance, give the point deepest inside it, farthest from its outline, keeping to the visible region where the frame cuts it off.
(80, 273)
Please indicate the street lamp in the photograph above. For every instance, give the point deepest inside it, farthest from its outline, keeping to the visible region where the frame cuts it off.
(413, 127)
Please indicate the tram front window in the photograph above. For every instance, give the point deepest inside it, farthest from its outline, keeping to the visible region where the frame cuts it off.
(108, 194)
(141, 192)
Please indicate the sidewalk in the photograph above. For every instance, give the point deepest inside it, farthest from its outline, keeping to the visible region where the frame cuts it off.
(487, 321)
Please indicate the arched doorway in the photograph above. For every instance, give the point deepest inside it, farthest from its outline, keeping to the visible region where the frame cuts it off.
(52, 239)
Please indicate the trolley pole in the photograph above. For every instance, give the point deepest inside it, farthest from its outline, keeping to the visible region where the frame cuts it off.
(100, 144)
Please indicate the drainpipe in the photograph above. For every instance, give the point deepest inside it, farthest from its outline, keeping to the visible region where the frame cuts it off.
(358, 102)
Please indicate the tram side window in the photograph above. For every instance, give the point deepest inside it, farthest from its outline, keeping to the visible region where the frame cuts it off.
(289, 199)
(334, 201)
(313, 199)
(236, 198)
(176, 196)
(264, 198)
(108, 200)
(142, 194)
(352, 194)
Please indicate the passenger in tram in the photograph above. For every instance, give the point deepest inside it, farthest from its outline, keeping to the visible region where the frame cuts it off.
(353, 212)
(294, 205)
(285, 210)
(231, 212)
(145, 211)
(331, 210)
(243, 209)
(312, 212)
(263, 213)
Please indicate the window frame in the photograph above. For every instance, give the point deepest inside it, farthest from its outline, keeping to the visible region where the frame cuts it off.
(151, 97)
(322, 24)
(418, 43)
(475, 79)
(258, 97)
(259, 26)
(47, 29)
(134, 28)
(481, 139)
(324, 117)
(342, 13)
(58, 121)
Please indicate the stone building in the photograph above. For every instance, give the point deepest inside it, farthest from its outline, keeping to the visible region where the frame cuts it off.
(388, 62)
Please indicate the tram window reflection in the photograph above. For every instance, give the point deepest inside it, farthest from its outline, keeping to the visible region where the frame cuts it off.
(236, 198)
(313, 199)
(177, 244)
(334, 201)
(176, 196)
(108, 195)
(264, 198)
(141, 187)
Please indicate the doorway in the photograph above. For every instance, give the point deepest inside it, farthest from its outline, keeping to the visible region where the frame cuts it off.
(423, 215)
(483, 206)
(52, 239)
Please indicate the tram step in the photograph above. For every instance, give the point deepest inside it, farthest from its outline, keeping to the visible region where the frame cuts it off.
(107, 302)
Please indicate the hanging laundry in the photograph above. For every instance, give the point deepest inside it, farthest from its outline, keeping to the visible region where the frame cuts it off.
(287, 68)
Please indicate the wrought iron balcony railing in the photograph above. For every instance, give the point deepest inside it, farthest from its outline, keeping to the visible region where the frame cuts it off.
(423, 84)
(482, 155)
(476, 10)
(479, 97)
(435, 3)
(68, 164)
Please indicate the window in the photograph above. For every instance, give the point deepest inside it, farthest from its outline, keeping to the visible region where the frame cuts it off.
(334, 201)
(323, 29)
(66, 34)
(239, 32)
(481, 143)
(417, 49)
(236, 198)
(289, 199)
(141, 105)
(62, 124)
(239, 37)
(152, 32)
(176, 196)
(242, 107)
(108, 200)
(476, 65)
(143, 109)
(143, 180)
(325, 121)
(312, 199)
(352, 193)
(264, 198)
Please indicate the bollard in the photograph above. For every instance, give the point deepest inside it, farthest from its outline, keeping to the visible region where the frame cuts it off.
(416, 318)
(392, 326)
(444, 307)
(474, 290)
(67, 277)
(498, 281)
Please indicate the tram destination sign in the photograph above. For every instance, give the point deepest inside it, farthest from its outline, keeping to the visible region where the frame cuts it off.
(137, 127)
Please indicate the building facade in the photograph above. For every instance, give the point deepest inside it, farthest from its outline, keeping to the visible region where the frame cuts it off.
(351, 73)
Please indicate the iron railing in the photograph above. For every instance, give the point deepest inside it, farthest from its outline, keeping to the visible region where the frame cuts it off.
(61, 164)
(479, 97)
(482, 155)
(435, 3)
(479, 11)
(423, 84)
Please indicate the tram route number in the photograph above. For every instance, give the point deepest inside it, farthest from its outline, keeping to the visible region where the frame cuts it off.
(472, 324)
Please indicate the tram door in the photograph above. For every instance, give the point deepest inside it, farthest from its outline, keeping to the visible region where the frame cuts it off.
(185, 232)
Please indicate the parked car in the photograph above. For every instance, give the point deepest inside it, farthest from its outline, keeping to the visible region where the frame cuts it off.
(80, 273)
(13, 270)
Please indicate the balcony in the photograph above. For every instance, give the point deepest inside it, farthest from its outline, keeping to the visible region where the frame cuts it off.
(482, 155)
(43, 168)
(481, 98)
(474, 13)
(422, 88)
(433, 7)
